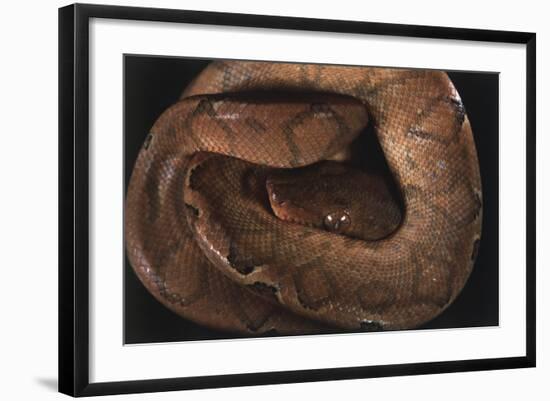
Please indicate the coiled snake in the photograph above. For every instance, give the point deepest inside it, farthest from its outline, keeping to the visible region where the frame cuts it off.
(215, 231)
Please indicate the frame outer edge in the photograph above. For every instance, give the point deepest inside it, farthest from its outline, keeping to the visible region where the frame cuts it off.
(73, 203)
(303, 23)
(81, 155)
(66, 305)
(531, 117)
(73, 200)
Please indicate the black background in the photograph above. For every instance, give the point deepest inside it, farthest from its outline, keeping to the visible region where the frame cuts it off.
(151, 84)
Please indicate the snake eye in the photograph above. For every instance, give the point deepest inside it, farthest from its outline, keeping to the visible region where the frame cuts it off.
(337, 221)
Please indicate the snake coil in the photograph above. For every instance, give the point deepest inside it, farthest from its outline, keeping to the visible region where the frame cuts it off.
(202, 239)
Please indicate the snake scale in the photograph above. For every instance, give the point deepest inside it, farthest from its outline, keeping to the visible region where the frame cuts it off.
(204, 239)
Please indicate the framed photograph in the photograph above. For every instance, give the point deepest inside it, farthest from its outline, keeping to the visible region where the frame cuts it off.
(290, 200)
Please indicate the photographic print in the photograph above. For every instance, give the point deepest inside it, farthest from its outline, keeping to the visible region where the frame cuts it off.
(268, 199)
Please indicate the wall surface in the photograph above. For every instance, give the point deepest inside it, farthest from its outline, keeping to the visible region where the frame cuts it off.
(28, 212)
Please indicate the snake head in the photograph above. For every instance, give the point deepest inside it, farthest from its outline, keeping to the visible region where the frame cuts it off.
(292, 201)
(334, 197)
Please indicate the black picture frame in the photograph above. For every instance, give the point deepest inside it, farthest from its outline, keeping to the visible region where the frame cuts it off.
(74, 198)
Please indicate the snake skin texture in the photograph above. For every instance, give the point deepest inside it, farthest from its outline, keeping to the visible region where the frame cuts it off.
(203, 239)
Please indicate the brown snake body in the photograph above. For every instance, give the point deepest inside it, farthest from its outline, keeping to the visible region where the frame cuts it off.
(201, 235)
